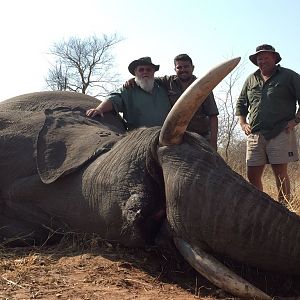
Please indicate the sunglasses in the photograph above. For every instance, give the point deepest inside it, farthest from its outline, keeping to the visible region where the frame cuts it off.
(144, 69)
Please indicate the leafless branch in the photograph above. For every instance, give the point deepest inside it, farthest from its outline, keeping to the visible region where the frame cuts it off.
(84, 65)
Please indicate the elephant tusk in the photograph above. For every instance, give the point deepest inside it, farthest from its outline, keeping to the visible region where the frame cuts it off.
(182, 112)
(217, 273)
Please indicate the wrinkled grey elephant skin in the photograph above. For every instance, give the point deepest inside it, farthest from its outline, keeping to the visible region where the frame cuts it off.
(62, 171)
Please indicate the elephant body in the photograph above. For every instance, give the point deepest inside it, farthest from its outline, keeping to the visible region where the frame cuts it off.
(50, 180)
(61, 171)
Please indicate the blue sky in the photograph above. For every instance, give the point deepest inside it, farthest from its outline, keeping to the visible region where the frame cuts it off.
(210, 31)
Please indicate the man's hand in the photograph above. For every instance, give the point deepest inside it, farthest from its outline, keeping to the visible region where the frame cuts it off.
(102, 108)
(246, 128)
(290, 125)
(93, 112)
(130, 83)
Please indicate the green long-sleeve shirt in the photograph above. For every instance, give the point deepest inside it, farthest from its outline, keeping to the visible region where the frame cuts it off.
(141, 108)
(269, 105)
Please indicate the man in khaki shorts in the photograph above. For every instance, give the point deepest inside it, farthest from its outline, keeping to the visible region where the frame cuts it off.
(269, 100)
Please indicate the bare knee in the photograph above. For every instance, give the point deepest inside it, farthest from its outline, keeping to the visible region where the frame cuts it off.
(254, 174)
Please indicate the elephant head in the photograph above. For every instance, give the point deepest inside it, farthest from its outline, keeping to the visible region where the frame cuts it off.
(81, 174)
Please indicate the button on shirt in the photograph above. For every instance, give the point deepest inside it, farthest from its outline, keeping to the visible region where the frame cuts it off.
(141, 108)
(271, 104)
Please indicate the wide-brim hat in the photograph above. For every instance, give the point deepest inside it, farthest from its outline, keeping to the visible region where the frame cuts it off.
(141, 62)
(264, 48)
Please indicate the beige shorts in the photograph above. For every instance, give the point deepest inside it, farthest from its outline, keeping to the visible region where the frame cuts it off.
(279, 150)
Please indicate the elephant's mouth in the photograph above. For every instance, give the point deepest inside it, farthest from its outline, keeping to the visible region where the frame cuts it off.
(152, 226)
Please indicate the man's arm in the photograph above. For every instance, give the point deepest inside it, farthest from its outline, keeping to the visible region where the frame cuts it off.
(213, 124)
(130, 83)
(210, 109)
(244, 125)
(294, 122)
(102, 108)
(162, 81)
(241, 109)
(297, 116)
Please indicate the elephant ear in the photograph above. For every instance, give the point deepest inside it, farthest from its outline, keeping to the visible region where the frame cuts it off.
(68, 140)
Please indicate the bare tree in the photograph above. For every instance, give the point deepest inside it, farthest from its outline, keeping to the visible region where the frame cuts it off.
(228, 136)
(58, 78)
(84, 65)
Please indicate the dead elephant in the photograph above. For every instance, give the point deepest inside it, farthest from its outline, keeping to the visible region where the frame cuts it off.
(60, 170)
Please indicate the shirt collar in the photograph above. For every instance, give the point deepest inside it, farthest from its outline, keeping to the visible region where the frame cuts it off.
(178, 80)
(278, 69)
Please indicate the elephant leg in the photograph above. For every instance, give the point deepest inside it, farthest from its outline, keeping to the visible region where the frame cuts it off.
(22, 221)
(16, 232)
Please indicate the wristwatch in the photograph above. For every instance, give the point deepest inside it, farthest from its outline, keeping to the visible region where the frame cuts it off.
(297, 120)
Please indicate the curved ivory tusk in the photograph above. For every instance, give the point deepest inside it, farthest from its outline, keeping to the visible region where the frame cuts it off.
(182, 112)
(217, 273)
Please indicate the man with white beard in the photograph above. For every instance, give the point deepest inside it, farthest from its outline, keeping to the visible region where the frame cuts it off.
(205, 120)
(147, 104)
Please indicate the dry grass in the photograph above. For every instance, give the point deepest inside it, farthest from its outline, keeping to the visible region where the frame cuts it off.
(294, 174)
(270, 186)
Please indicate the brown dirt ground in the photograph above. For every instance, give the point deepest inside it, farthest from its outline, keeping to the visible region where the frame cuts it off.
(90, 268)
(96, 270)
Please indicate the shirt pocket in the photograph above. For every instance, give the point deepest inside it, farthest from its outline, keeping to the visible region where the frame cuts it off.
(275, 89)
(254, 93)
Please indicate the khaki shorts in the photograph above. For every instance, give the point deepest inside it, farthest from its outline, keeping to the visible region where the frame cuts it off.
(280, 150)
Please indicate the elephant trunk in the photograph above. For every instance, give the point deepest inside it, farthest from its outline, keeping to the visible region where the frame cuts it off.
(214, 209)
(233, 217)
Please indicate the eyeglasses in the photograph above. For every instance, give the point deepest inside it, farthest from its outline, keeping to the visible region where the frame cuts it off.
(144, 69)
(265, 47)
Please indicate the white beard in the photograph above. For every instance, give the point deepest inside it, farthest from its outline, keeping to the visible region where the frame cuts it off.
(146, 84)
